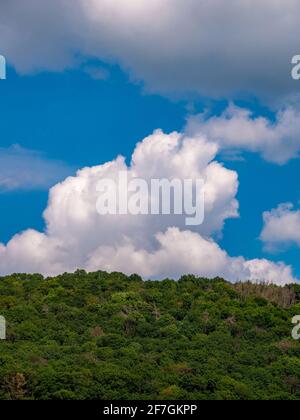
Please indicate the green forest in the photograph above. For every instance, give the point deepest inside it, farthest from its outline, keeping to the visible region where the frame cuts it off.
(111, 336)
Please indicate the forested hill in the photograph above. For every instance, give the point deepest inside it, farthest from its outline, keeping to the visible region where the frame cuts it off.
(109, 336)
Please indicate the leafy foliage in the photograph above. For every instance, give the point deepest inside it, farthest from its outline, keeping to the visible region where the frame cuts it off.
(109, 336)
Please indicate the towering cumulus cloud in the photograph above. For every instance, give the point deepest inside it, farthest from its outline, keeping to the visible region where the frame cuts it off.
(167, 43)
(153, 246)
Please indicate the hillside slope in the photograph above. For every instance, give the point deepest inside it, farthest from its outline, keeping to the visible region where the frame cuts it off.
(109, 336)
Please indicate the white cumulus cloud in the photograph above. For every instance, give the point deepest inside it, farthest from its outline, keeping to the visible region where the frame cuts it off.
(153, 246)
(281, 226)
(237, 129)
(181, 252)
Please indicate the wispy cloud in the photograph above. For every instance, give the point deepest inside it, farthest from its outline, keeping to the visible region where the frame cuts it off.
(97, 72)
(25, 169)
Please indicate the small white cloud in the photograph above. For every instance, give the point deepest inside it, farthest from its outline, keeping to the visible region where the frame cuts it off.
(23, 169)
(281, 227)
(237, 130)
(270, 272)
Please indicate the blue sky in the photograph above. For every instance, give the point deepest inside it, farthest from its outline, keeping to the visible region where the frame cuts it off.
(91, 88)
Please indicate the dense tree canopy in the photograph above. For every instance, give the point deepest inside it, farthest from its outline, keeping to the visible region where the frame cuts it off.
(109, 336)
